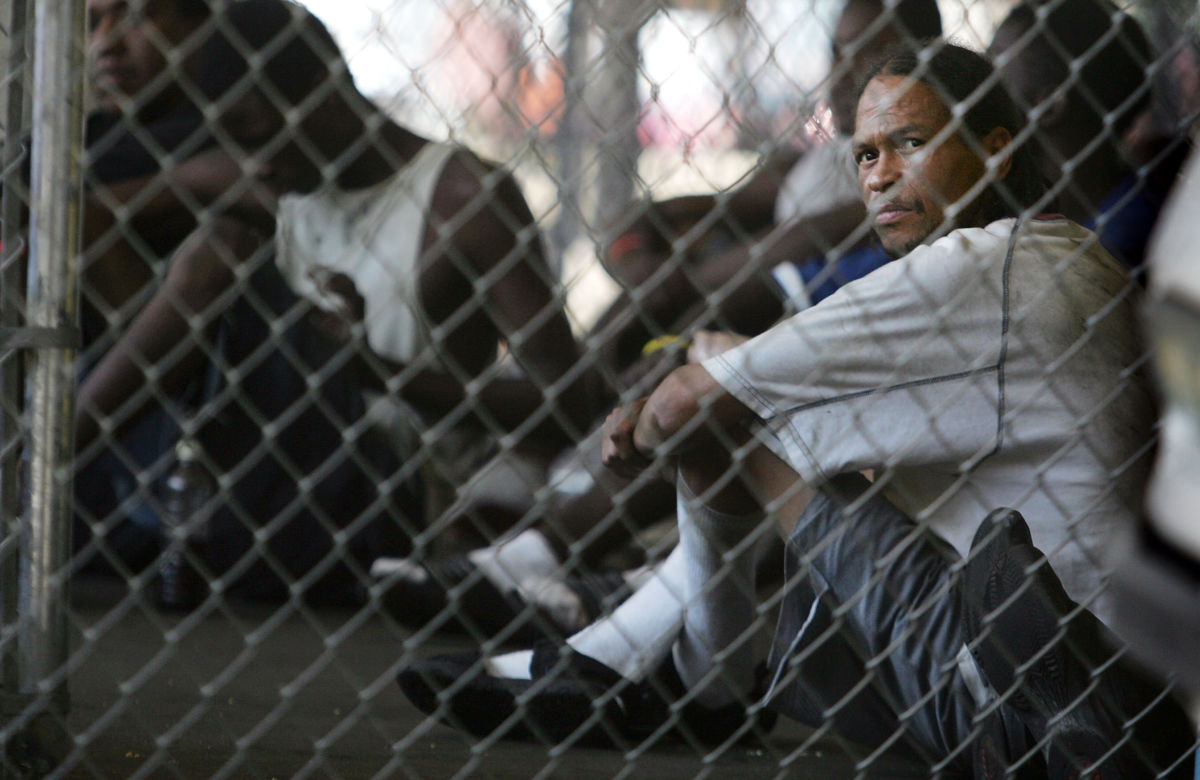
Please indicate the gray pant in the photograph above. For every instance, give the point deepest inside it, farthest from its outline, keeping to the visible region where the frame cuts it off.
(871, 630)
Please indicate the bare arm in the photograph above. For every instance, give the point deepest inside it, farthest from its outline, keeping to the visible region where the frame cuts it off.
(165, 203)
(749, 208)
(685, 411)
(655, 229)
(730, 290)
(157, 212)
(162, 346)
(516, 303)
(739, 281)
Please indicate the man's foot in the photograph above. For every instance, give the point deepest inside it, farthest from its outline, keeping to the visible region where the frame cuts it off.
(451, 593)
(456, 595)
(587, 702)
(1091, 714)
(457, 689)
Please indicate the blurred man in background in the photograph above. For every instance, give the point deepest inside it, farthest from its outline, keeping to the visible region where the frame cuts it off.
(416, 261)
(785, 239)
(152, 159)
(1079, 67)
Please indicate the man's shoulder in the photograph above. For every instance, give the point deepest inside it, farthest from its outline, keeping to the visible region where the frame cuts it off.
(465, 171)
(1051, 235)
(1011, 233)
(1039, 249)
(964, 256)
(468, 181)
(965, 246)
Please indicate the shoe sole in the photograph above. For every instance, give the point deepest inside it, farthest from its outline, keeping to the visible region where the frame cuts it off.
(569, 706)
(458, 691)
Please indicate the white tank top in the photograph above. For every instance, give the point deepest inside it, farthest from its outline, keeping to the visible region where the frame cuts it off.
(372, 235)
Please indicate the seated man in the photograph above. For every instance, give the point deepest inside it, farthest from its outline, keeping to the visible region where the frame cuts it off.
(1075, 66)
(442, 301)
(1157, 574)
(426, 251)
(990, 370)
(149, 159)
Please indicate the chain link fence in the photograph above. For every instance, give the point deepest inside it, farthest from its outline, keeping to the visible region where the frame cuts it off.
(310, 329)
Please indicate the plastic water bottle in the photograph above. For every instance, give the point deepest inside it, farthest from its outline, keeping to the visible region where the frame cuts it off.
(187, 494)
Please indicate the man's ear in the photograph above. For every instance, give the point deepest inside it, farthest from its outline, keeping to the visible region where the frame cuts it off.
(997, 145)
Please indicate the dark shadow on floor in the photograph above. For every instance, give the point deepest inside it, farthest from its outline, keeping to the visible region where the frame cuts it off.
(251, 690)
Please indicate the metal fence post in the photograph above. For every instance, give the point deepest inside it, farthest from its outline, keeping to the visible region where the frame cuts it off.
(12, 283)
(570, 137)
(55, 220)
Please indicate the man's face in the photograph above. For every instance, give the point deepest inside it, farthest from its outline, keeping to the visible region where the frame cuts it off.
(1033, 77)
(854, 50)
(1024, 74)
(907, 179)
(126, 47)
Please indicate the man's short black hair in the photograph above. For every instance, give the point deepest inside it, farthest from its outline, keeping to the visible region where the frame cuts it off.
(962, 77)
(274, 43)
(1107, 45)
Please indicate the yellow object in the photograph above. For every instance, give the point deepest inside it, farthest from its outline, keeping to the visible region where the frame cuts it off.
(662, 342)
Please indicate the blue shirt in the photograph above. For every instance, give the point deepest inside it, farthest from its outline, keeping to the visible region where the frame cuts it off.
(1126, 219)
(823, 278)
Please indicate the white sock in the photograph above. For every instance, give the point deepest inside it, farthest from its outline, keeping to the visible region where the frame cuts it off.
(635, 638)
(604, 640)
(506, 563)
(721, 602)
(514, 665)
(553, 596)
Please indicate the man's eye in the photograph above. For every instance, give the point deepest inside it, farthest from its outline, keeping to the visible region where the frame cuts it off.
(865, 156)
(912, 143)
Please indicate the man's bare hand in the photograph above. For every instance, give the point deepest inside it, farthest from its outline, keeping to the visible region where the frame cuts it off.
(617, 447)
(347, 306)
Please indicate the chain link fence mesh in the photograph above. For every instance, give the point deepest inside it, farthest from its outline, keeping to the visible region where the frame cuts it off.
(323, 439)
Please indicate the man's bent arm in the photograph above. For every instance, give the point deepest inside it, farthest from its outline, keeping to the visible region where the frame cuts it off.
(738, 280)
(686, 409)
(501, 241)
(201, 272)
(164, 201)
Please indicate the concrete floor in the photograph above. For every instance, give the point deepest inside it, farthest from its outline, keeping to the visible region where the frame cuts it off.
(260, 691)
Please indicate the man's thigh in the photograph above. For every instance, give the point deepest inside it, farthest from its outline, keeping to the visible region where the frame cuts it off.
(871, 630)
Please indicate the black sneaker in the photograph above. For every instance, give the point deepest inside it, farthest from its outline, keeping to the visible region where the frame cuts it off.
(588, 703)
(456, 596)
(457, 689)
(1089, 711)
(451, 593)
